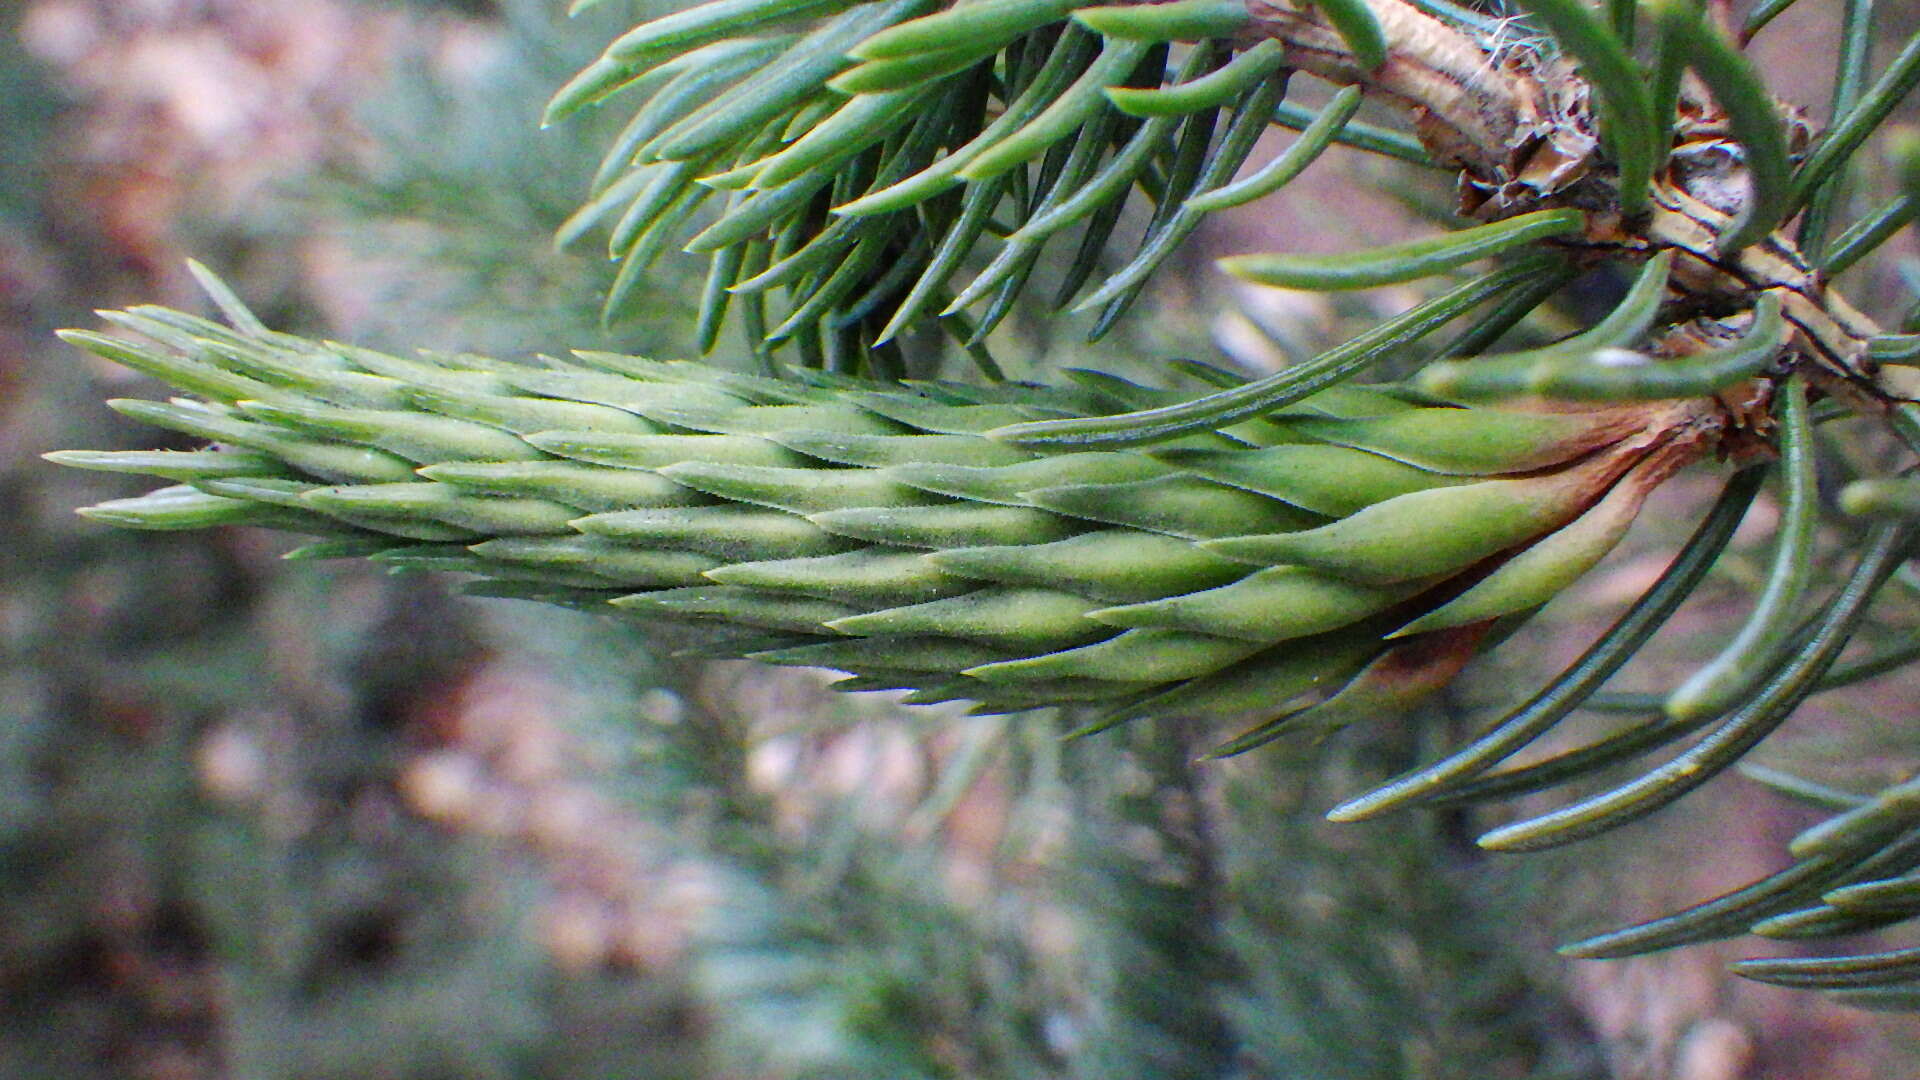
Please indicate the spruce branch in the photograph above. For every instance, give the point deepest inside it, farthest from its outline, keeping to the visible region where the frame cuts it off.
(1297, 547)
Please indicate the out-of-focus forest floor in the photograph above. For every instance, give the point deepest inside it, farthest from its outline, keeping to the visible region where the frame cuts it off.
(270, 820)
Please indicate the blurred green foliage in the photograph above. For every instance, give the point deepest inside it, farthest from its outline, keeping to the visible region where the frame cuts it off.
(28, 105)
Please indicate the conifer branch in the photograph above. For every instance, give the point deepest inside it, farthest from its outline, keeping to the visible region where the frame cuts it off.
(1295, 547)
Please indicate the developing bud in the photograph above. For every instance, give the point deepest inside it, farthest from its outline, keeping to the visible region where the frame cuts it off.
(1353, 549)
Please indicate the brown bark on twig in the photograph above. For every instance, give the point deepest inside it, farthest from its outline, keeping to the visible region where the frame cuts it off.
(1520, 130)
